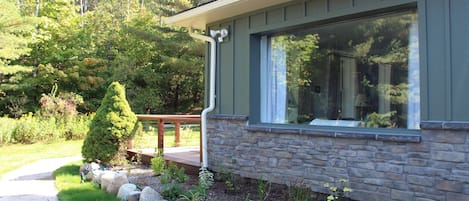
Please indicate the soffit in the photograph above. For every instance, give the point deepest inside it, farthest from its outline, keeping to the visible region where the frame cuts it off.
(199, 17)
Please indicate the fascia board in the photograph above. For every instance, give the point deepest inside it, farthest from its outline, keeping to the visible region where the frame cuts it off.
(199, 17)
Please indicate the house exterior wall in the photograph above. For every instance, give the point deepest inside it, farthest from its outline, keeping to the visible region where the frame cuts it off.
(429, 164)
(443, 50)
(437, 168)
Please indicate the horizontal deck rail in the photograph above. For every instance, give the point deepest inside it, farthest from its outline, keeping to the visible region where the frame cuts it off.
(161, 119)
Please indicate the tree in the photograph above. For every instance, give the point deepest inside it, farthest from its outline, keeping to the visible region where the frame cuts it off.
(15, 34)
(110, 129)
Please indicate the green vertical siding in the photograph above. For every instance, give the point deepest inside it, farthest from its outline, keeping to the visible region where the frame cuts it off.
(447, 60)
(459, 29)
(436, 79)
(444, 53)
(226, 78)
(241, 66)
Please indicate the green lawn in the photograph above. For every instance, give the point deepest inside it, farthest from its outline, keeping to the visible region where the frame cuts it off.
(17, 155)
(68, 183)
(190, 136)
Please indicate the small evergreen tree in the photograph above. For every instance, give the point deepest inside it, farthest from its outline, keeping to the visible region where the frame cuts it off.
(110, 129)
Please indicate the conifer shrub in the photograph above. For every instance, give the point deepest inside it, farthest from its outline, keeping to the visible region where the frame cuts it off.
(111, 128)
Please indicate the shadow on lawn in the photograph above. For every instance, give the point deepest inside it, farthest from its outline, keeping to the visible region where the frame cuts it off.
(68, 183)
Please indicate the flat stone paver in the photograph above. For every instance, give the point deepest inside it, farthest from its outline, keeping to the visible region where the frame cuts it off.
(33, 182)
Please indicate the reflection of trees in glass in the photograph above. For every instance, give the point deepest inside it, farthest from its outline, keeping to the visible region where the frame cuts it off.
(386, 41)
(356, 70)
(299, 53)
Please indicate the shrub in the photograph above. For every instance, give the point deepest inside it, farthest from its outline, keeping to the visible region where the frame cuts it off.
(78, 127)
(175, 173)
(110, 129)
(157, 165)
(7, 126)
(28, 130)
(171, 191)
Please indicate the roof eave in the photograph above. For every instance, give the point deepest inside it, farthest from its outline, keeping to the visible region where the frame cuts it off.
(199, 17)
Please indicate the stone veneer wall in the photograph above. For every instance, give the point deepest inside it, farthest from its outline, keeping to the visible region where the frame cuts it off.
(436, 168)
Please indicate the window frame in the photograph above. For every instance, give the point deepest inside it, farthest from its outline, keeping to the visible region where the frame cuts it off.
(255, 123)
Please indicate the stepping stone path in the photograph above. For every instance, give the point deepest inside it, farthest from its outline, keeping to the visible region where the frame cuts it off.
(33, 182)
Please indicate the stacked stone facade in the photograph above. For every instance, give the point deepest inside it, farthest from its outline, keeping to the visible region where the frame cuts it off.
(434, 168)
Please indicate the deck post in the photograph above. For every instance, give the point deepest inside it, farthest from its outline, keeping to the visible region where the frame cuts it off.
(177, 128)
(160, 136)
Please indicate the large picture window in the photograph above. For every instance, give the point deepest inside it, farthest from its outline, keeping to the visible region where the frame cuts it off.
(361, 73)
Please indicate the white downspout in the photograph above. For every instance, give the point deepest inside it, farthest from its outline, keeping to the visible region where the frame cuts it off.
(211, 104)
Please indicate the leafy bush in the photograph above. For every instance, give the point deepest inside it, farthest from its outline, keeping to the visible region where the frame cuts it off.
(157, 165)
(31, 129)
(175, 173)
(78, 127)
(63, 106)
(171, 191)
(7, 126)
(110, 129)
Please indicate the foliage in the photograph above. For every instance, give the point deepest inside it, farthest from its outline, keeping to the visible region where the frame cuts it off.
(199, 192)
(68, 183)
(157, 165)
(171, 191)
(338, 191)
(196, 193)
(7, 126)
(110, 129)
(175, 173)
(299, 192)
(205, 181)
(83, 48)
(189, 137)
(14, 156)
(375, 120)
(36, 128)
(228, 178)
(15, 32)
(263, 188)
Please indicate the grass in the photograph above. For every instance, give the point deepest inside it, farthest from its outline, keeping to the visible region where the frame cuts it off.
(190, 136)
(68, 183)
(16, 155)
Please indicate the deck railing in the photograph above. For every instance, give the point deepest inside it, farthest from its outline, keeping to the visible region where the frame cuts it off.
(176, 119)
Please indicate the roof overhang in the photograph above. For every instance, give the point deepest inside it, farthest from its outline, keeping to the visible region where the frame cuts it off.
(199, 17)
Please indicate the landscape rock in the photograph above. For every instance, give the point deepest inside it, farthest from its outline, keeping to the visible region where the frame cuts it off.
(106, 179)
(88, 171)
(149, 194)
(134, 196)
(125, 190)
(117, 182)
(97, 175)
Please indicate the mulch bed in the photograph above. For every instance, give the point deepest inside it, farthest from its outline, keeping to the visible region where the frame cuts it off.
(244, 189)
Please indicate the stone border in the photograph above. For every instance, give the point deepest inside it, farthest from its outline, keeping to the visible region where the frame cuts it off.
(228, 117)
(380, 136)
(391, 136)
(445, 125)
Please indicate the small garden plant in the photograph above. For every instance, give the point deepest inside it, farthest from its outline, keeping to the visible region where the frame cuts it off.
(157, 164)
(299, 192)
(338, 191)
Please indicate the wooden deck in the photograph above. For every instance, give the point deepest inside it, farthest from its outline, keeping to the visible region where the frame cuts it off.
(187, 157)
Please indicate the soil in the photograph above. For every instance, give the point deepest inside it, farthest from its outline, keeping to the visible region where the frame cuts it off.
(244, 189)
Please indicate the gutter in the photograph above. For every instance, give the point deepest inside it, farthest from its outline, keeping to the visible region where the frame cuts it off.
(211, 105)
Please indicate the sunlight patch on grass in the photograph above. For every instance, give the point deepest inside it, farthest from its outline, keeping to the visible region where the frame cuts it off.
(68, 183)
(16, 155)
